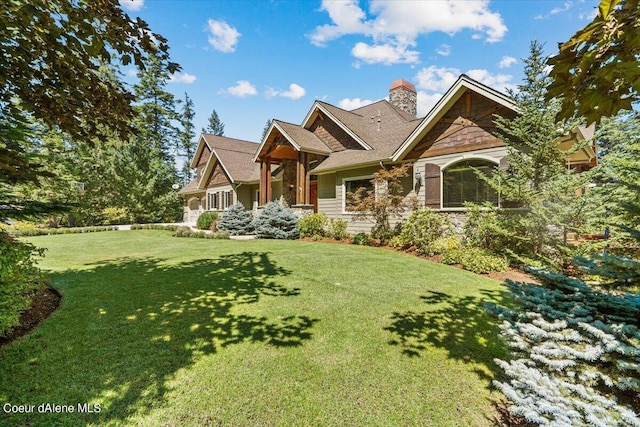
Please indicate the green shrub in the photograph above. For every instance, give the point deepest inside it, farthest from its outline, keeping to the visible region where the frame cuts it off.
(206, 219)
(236, 221)
(475, 260)
(314, 225)
(362, 239)
(114, 215)
(19, 278)
(185, 231)
(423, 227)
(445, 244)
(338, 229)
(155, 227)
(276, 222)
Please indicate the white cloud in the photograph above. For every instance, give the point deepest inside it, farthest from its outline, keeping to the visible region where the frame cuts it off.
(131, 5)
(395, 26)
(223, 37)
(352, 104)
(295, 92)
(425, 101)
(241, 89)
(185, 78)
(507, 61)
(444, 50)
(500, 82)
(437, 80)
(556, 10)
(386, 54)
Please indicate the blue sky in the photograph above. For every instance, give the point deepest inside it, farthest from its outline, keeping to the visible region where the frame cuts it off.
(256, 60)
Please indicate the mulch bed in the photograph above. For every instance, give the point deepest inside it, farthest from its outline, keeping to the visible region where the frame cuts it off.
(45, 302)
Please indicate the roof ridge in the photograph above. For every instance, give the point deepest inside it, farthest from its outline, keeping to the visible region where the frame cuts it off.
(342, 109)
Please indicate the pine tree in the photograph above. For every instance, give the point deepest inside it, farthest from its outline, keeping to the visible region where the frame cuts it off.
(186, 137)
(236, 221)
(537, 178)
(266, 129)
(215, 126)
(276, 222)
(146, 164)
(618, 193)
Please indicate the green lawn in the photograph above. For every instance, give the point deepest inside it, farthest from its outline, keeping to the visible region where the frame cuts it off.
(173, 331)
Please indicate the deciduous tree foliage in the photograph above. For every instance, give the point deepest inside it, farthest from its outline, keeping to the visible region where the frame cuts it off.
(596, 71)
(51, 52)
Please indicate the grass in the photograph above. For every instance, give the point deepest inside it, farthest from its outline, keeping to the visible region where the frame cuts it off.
(165, 331)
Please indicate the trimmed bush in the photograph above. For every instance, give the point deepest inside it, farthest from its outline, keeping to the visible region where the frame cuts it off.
(276, 222)
(236, 221)
(184, 231)
(475, 260)
(445, 244)
(19, 279)
(315, 225)
(361, 239)
(206, 219)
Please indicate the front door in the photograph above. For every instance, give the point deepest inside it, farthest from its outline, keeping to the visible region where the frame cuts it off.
(313, 195)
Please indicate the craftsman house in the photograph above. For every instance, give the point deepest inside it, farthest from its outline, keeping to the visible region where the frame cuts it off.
(315, 165)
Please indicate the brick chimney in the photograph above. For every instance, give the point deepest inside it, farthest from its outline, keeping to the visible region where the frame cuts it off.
(402, 95)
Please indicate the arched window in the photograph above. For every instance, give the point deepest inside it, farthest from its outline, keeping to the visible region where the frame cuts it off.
(460, 184)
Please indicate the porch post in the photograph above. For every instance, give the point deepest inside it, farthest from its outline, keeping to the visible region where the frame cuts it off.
(302, 180)
(265, 181)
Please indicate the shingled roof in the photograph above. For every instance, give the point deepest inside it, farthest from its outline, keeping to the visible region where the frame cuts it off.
(235, 156)
(380, 125)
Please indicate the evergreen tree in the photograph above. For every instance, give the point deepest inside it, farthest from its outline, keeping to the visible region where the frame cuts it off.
(576, 354)
(236, 221)
(215, 126)
(266, 129)
(618, 192)
(537, 178)
(276, 222)
(186, 137)
(146, 165)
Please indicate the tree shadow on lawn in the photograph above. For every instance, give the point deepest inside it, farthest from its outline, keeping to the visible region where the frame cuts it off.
(129, 325)
(459, 325)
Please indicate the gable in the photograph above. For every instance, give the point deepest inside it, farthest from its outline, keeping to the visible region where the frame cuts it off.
(217, 177)
(466, 126)
(336, 138)
(202, 161)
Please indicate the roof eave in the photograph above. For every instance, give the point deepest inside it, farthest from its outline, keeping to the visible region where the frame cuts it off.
(343, 126)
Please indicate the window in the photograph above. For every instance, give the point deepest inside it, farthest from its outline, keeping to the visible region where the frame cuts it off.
(351, 186)
(460, 184)
(228, 199)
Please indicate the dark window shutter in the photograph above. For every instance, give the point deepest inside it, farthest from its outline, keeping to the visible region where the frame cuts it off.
(432, 185)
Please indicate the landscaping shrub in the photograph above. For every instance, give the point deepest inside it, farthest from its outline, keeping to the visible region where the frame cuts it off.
(314, 225)
(475, 260)
(115, 215)
(155, 227)
(30, 232)
(423, 227)
(444, 245)
(362, 239)
(276, 222)
(236, 221)
(19, 278)
(184, 231)
(206, 219)
(338, 229)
